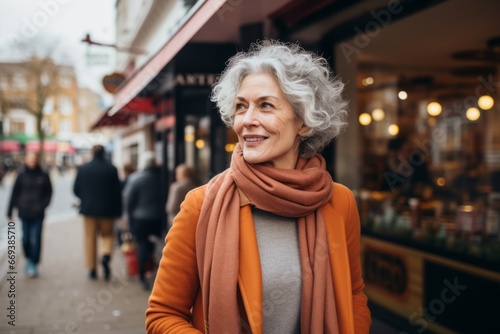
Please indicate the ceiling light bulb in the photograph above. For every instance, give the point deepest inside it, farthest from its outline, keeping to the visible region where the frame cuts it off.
(365, 119)
(378, 114)
(434, 108)
(473, 114)
(369, 81)
(393, 129)
(485, 102)
(403, 95)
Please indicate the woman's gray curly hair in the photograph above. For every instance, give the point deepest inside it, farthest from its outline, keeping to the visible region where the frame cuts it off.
(306, 80)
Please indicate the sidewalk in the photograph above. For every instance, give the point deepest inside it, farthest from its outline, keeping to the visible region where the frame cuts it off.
(62, 299)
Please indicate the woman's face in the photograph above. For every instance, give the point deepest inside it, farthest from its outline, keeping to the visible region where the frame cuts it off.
(265, 123)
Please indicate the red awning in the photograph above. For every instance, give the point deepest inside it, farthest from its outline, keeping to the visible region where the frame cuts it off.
(138, 105)
(49, 146)
(118, 119)
(134, 84)
(10, 146)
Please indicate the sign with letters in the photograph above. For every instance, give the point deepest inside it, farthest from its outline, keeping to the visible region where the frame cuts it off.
(195, 79)
(385, 270)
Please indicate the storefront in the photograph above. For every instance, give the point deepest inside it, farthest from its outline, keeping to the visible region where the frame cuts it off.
(190, 127)
(422, 80)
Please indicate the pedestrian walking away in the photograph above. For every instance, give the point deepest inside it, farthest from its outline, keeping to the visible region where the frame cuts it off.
(121, 226)
(274, 220)
(144, 206)
(97, 185)
(31, 195)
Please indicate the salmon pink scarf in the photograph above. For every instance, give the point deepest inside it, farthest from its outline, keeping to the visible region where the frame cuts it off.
(297, 193)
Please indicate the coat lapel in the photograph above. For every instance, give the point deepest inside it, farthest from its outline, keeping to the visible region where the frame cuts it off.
(339, 262)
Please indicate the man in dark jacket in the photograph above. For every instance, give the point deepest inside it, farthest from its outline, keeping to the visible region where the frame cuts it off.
(145, 210)
(31, 195)
(98, 187)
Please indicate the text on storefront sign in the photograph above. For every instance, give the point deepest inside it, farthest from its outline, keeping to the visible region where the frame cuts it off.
(385, 270)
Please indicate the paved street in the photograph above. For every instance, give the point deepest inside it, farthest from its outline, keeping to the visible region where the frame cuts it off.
(62, 299)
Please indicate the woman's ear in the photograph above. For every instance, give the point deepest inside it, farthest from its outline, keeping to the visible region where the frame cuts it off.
(303, 131)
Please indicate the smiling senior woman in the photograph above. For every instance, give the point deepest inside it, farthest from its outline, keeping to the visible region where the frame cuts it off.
(271, 245)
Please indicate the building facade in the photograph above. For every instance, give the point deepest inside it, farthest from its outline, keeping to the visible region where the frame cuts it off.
(38, 96)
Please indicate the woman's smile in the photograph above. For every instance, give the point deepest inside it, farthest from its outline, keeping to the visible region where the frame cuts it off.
(265, 122)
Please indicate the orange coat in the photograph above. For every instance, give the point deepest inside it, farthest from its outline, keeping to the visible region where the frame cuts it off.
(175, 304)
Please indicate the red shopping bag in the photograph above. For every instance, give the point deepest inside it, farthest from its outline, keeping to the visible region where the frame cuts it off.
(128, 249)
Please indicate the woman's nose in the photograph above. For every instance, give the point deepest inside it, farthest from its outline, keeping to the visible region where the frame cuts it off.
(251, 117)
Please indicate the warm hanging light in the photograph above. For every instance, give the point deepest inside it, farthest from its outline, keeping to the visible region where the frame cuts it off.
(434, 108)
(485, 102)
(473, 114)
(441, 181)
(367, 81)
(378, 114)
(393, 129)
(365, 119)
(200, 143)
(403, 95)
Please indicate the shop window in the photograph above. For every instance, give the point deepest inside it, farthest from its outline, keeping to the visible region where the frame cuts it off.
(431, 165)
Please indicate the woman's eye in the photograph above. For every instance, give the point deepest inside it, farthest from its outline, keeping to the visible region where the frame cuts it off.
(239, 106)
(266, 105)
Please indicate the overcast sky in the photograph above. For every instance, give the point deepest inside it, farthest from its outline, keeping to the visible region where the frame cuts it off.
(64, 23)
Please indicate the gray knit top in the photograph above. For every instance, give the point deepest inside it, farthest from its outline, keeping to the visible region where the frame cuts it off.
(278, 242)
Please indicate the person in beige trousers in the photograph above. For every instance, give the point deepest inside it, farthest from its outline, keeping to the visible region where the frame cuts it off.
(98, 187)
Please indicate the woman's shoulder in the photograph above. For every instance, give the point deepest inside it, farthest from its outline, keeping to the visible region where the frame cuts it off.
(198, 193)
(341, 190)
(342, 198)
(195, 196)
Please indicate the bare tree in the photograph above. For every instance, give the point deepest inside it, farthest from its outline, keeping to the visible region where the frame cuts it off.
(41, 74)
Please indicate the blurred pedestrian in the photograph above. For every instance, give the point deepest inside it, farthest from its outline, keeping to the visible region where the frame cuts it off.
(143, 198)
(98, 187)
(122, 225)
(274, 223)
(31, 195)
(184, 182)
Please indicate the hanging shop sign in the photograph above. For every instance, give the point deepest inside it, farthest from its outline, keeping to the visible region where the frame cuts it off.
(112, 81)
